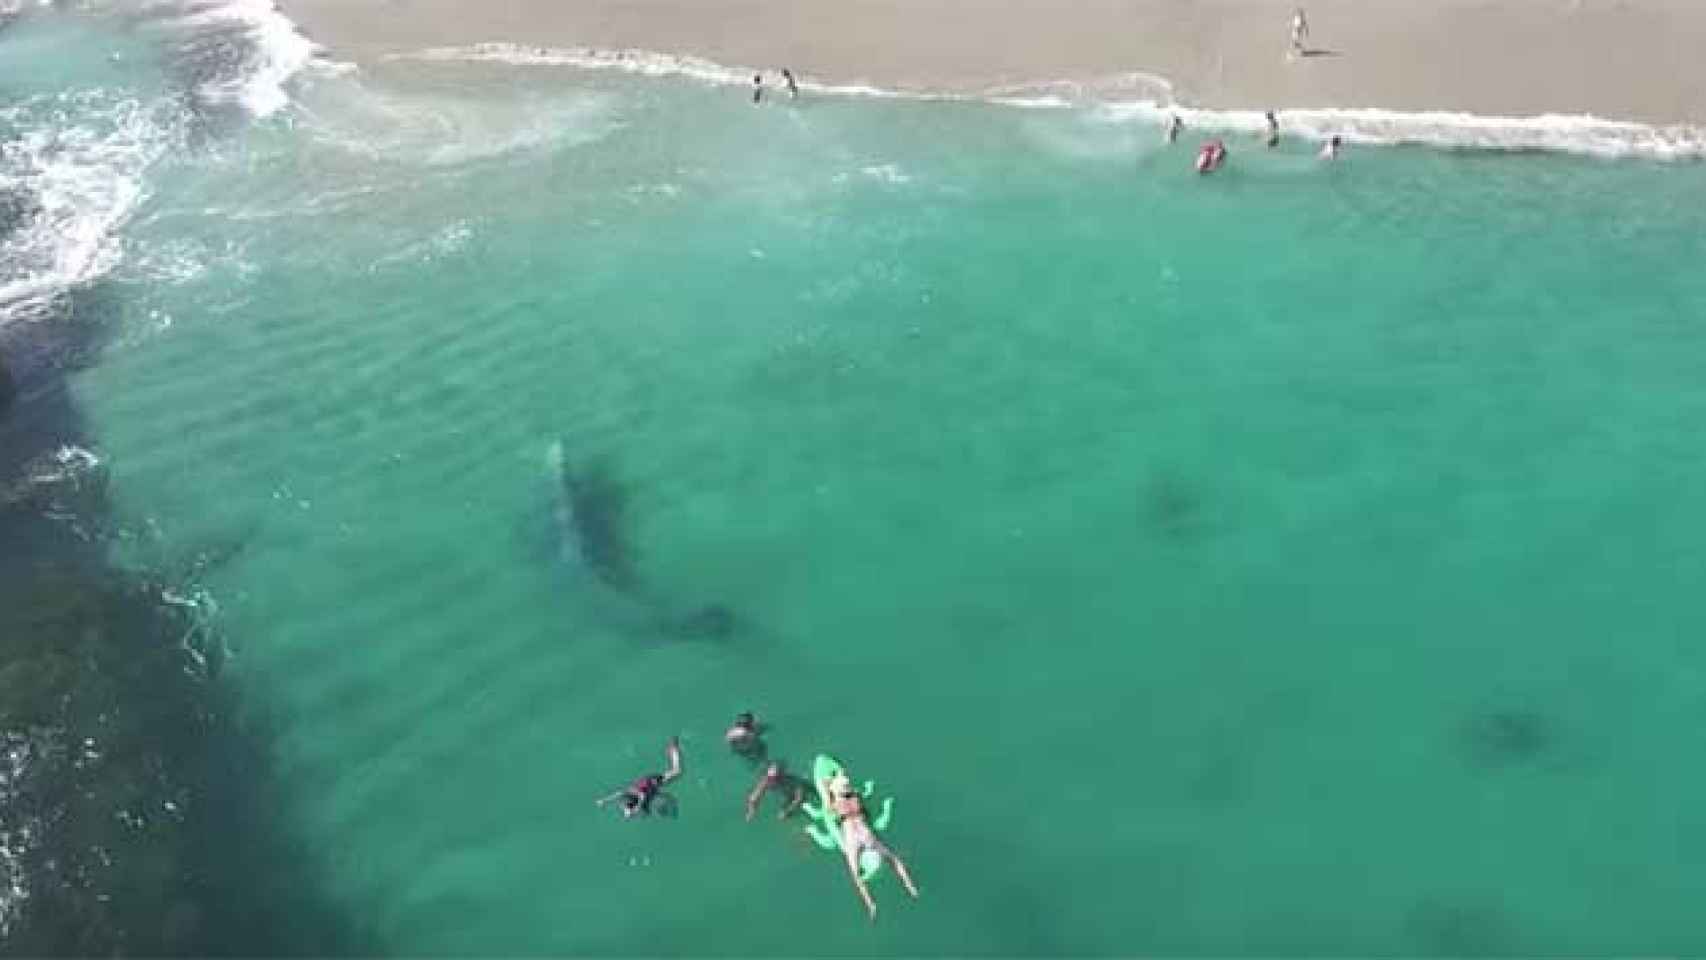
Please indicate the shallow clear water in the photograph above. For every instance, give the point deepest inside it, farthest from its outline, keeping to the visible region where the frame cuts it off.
(1297, 560)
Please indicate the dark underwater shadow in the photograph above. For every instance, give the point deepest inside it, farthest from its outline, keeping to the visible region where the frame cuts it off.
(1502, 738)
(155, 819)
(593, 530)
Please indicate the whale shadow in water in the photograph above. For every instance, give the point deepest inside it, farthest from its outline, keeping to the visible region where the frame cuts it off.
(1458, 928)
(1171, 507)
(713, 622)
(593, 531)
(592, 516)
(1500, 739)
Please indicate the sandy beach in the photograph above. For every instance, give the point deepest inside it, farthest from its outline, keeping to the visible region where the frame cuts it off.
(1622, 59)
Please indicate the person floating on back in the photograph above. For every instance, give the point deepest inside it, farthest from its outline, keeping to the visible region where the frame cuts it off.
(1272, 136)
(793, 88)
(857, 837)
(775, 778)
(1330, 149)
(757, 88)
(637, 797)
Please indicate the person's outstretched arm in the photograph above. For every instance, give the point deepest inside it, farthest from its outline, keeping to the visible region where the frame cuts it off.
(604, 800)
(794, 801)
(673, 748)
(757, 794)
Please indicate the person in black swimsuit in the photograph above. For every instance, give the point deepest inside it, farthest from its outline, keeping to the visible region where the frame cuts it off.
(637, 797)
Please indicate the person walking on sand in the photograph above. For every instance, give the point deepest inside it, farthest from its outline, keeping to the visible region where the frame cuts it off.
(1299, 32)
(1174, 125)
(1330, 149)
(1271, 138)
(757, 88)
(637, 797)
(793, 87)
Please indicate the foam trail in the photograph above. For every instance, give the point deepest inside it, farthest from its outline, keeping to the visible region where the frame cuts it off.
(75, 171)
(82, 182)
(280, 52)
(1577, 134)
(17, 840)
(1141, 96)
(645, 63)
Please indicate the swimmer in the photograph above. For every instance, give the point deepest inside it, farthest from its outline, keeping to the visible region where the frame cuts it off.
(1272, 138)
(1174, 125)
(857, 837)
(793, 88)
(1210, 156)
(746, 736)
(637, 797)
(1330, 149)
(757, 88)
(775, 778)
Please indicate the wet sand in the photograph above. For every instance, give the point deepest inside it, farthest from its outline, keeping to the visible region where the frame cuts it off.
(1624, 59)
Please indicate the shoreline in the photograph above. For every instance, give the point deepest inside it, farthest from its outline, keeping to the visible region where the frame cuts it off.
(1499, 59)
(1147, 99)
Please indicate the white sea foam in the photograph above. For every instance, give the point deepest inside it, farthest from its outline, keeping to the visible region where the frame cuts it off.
(890, 173)
(16, 838)
(645, 63)
(78, 166)
(447, 129)
(1148, 98)
(447, 241)
(75, 170)
(280, 52)
(1577, 134)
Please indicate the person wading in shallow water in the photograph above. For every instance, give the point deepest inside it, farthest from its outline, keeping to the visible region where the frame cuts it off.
(757, 88)
(637, 797)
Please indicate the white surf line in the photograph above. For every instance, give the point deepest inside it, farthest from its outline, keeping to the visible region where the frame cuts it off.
(1139, 96)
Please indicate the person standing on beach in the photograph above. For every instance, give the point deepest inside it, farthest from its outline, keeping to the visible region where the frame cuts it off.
(757, 88)
(1299, 32)
(1272, 137)
(793, 88)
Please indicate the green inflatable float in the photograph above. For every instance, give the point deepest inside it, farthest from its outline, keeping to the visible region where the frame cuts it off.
(825, 827)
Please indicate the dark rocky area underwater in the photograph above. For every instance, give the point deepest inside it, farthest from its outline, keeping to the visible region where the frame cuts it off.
(139, 810)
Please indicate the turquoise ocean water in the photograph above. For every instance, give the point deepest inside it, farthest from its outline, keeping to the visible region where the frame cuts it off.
(1304, 559)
